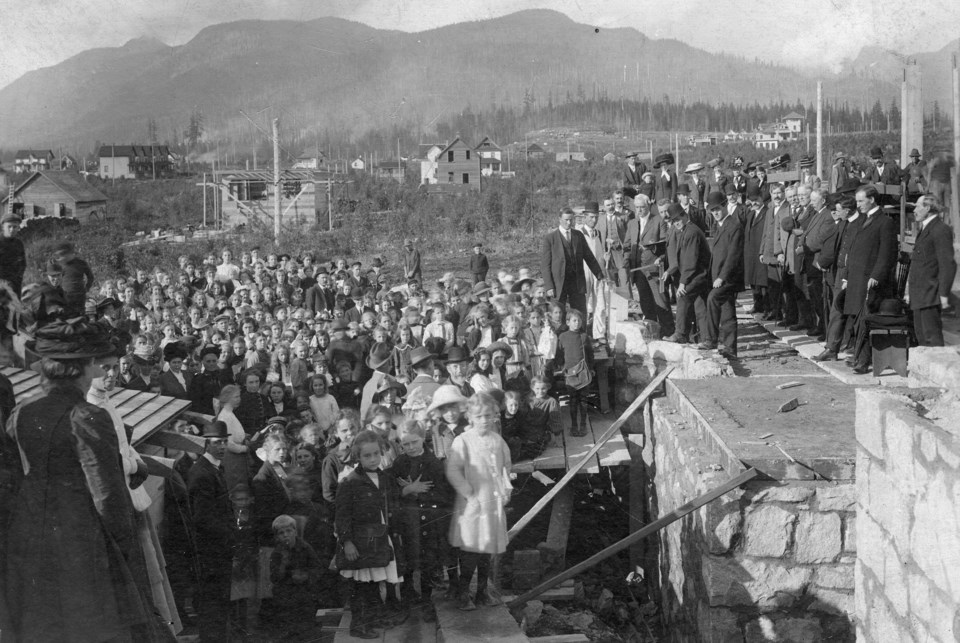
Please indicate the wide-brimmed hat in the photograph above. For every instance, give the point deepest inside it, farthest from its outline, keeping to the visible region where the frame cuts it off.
(420, 354)
(715, 200)
(693, 167)
(663, 159)
(500, 346)
(839, 155)
(389, 383)
(174, 350)
(72, 339)
(379, 355)
(446, 394)
(107, 302)
(215, 430)
(208, 350)
(480, 288)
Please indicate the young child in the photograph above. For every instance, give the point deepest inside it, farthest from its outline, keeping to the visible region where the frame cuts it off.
(366, 500)
(479, 264)
(324, 406)
(295, 574)
(478, 467)
(439, 327)
(299, 367)
(517, 368)
(525, 439)
(543, 412)
(448, 406)
(426, 501)
(575, 358)
(380, 419)
(401, 353)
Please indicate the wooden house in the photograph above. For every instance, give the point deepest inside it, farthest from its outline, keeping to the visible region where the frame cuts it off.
(491, 157)
(458, 167)
(310, 160)
(427, 156)
(34, 161)
(134, 161)
(534, 151)
(54, 193)
(390, 170)
(248, 196)
(566, 157)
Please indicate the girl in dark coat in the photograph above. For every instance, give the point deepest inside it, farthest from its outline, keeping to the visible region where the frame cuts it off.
(366, 500)
(572, 347)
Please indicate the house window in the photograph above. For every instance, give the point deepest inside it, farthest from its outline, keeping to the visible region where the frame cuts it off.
(466, 177)
(468, 155)
(450, 156)
(449, 177)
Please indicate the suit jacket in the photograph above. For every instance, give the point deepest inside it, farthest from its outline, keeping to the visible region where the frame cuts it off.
(873, 254)
(666, 187)
(561, 264)
(816, 228)
(774, 237)
(829, 248)
(270, 497)
(889, 176)
(726, 253)
(654, 231)
(763, 187)
(754, 272)
(633, 178)
(607, 226)
(212, 512)
(318, 299)
(838, 176)
(694, 259)
(932, 266)
(698, 190)
(170, 386)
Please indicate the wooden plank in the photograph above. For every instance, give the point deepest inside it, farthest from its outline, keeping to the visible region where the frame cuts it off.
(17, 376)
(171, 411)
(568, 476)
(614, 452)
(178, 441)
(139, 399)
(560, 638)
(558, 533)
(28, 388)
(121, 395)
(155, 407)
(578, 446)
(554, 457)
(637, 536)
(10, 370)
(556, 594)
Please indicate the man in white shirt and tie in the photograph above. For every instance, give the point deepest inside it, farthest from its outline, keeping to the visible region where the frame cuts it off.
(596, 290)
(563, 254)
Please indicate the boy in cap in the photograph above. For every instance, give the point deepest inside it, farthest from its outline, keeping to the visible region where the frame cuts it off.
(478, 263)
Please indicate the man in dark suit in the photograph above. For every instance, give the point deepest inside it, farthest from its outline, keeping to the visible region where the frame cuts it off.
(812, 235)
(646, 247)
(612, 227)
(772, 252)
(212, 516)
(726, 272)
(834, 258)
(693, 274)
(881, 171)
(754, 270)
(692, 209)
(665, 179)
(633, 174)
(562, 258)
(870, 263)
(320, 297)
(932, 269)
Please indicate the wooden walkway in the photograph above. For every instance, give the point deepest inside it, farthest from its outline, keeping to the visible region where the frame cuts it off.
(561, 458)
(144, 412)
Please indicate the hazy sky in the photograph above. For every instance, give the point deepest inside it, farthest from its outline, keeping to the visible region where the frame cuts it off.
(40, 33)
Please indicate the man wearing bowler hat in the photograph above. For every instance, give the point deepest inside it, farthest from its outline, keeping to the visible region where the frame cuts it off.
(882, 171)
(726, 274)
(212, 517)
(421, 361)
(562, 258)
(646, 249)
(458, 363)
(691, 272)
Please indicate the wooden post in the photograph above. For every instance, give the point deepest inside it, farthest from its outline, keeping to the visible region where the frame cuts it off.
(911, 129)
(609, 433)
(204, 199)
(276, 181)
(819, 129)
(329, 206)
(636, 536)
(954, 182)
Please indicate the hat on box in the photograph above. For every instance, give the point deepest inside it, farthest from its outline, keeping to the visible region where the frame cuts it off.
(715, 200)
(693, 167)
(420, 355)
(891, 307)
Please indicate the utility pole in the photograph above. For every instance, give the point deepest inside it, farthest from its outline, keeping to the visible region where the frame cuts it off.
(204, 199)
(819, 129)
(276, 181)
(955, 201)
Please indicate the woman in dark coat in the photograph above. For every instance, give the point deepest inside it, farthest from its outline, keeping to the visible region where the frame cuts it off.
(73, 569)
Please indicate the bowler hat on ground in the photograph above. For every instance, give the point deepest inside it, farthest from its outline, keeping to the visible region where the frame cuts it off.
(715, 200)
(216, 430)
(420, 355)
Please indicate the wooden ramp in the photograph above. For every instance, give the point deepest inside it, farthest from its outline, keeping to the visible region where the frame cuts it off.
(574, 448)
(145, 413)
(413, 630)
(482, 625)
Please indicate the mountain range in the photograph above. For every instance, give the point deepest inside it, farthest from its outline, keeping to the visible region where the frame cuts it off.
(347, 77)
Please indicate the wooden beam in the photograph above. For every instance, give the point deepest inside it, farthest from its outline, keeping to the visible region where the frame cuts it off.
(609, 433)
(178, 441)
(299, 194)
(649, 530)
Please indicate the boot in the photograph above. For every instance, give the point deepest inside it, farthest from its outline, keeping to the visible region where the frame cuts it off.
(453, 586)
(583, 421)
(464, 601)
(574, 411)
(360, 613)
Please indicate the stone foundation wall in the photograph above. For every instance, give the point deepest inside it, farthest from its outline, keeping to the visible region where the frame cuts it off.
(908, 531)
(773, 561)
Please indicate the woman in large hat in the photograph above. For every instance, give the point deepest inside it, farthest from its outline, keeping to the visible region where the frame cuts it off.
(71, 550)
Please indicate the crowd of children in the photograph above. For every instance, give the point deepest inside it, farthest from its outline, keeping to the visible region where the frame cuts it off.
(369, 427)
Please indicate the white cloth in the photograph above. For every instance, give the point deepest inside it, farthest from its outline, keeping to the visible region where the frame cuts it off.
(478, 467)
